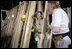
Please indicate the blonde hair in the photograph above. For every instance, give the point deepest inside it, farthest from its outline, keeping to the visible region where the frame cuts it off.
(56, 4)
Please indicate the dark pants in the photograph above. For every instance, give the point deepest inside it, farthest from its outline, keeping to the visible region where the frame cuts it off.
(32, 44)
(65, 34)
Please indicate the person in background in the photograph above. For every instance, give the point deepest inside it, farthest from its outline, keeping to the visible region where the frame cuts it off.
(38, 22)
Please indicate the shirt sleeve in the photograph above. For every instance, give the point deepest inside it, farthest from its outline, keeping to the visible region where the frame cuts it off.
(48, 27)
(57, 17)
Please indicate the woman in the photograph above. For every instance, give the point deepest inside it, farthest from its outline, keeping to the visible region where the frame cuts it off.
(38, 21)
(59, 25)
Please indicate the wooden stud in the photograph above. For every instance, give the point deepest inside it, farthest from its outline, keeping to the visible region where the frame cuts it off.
(69, 16)
(40, 6)
(44, 25)
(24, 27)
(29, 25)
(70, 19)
(1, 17)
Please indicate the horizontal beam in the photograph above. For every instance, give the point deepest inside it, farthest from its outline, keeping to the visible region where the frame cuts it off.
(3, 10)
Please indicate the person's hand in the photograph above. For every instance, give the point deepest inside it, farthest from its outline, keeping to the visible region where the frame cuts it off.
(55, 29)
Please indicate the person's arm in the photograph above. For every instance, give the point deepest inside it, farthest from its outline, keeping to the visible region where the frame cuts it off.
(56, 22)
(55, 29)
(48, 27)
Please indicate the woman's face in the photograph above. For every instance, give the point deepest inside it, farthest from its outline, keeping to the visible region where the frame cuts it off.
(39, 16)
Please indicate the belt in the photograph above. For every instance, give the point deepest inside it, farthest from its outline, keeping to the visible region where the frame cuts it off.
(65, 34)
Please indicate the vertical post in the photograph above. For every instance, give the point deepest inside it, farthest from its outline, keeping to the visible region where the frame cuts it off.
(68, 11)
(24, 27)
(9, 25)
(1, 19)
(1, 16)
(70, 19)
(8, 21)
(39, 6)
(69, 16)
(44, 26)
(29, 25)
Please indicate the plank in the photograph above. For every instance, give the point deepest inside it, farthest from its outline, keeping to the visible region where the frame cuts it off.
(29, 25)
(39, 6)
(44, 25)
(24, 27)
